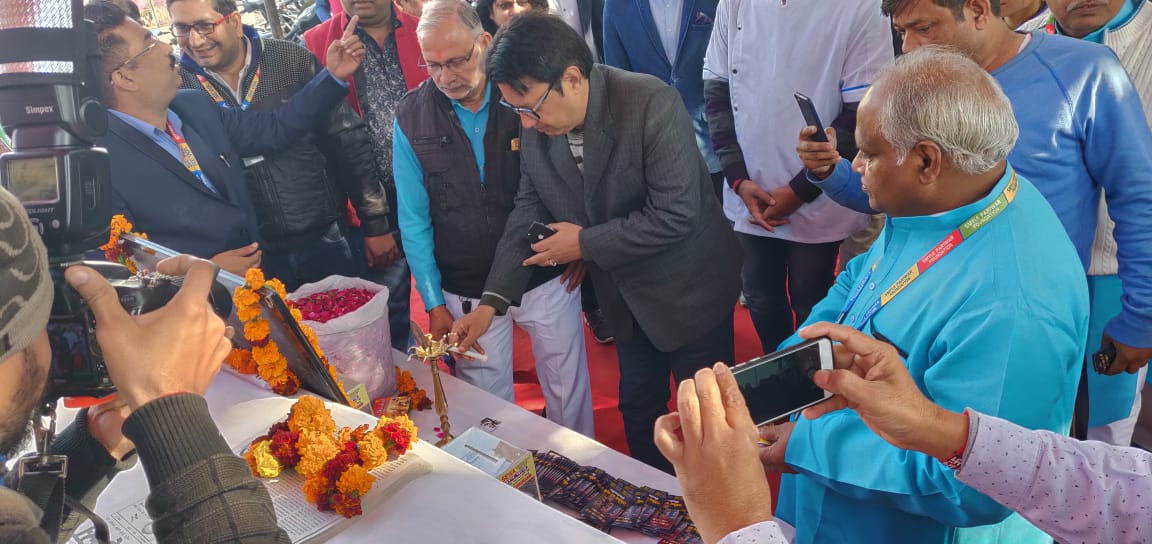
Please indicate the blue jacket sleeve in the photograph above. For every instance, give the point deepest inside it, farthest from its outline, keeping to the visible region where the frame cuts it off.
(843, 187)
(614, 52)
(1021, 370)
(1118, 152)
(415, 219)
(257, 132)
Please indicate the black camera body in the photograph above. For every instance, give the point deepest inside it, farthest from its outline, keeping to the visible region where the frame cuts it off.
(77, 364)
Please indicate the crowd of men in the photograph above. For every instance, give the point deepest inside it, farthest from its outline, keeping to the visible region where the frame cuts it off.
(978, 203)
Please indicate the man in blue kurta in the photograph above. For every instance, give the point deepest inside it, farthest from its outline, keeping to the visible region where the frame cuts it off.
(1083, 133)
(976, 284)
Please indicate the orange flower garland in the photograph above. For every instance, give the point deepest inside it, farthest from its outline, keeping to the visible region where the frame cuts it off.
(335, 462)
(264, 359)
(114, 249)
(406, 387)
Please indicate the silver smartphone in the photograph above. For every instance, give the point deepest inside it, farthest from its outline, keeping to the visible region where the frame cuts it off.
(780, 384)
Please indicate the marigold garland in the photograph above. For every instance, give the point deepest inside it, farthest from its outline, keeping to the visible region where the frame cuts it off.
(406, 387)
(264, 358)
(114, 249)
(335, 462)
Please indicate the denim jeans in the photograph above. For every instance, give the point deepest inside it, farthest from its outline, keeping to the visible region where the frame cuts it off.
(782, 281)
(397, 278)
(327, 255)
(644, 391)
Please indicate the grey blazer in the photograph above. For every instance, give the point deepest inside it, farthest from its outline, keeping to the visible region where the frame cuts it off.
(657, 244)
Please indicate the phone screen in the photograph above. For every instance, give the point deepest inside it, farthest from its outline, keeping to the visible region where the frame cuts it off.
(779, 384)
(70, 352)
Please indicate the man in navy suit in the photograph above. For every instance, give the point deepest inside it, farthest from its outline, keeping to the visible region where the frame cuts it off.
(667, 39)
(175, 157)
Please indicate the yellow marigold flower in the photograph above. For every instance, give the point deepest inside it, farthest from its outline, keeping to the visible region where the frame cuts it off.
(309, 413)
(266, 354)
(372, 451)
(241, 360)
(257, 330)
(315, 486)
(254, 277)
(316, 449)
(296, 314)
(245, 297)
(247, 313)
(261, 460)
(344, 435)
(355, 480)
(405, 383)
(277, 286)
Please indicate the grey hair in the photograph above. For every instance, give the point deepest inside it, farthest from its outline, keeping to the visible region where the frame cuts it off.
(438, 12)
(937, 94)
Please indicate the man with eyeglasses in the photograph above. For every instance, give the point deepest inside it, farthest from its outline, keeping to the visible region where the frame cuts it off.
(175, 156)
(390, 69)
(298, 191)
(453, 210)
(612, 166)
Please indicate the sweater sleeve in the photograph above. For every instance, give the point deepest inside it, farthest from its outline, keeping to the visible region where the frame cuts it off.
(200, 491)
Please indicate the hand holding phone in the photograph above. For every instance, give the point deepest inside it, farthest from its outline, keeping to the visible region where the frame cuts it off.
(780, 384)
(539, 231)
(808, 110)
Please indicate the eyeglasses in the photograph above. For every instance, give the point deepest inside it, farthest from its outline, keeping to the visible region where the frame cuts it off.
(529, 111)
(507, 4)
(127, 61)
(202, 28)
(455, 65)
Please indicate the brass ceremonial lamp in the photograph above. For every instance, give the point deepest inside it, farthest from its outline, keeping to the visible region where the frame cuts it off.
(430, 351)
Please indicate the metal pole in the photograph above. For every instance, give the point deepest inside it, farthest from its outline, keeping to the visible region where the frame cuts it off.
(273, 15)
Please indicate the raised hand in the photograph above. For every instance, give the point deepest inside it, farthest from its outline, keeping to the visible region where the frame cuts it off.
(345, 54)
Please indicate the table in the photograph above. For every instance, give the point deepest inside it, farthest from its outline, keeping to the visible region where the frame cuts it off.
(455, 502)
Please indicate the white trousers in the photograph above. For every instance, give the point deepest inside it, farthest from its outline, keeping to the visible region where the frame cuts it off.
(552, 318)
(1119, 433)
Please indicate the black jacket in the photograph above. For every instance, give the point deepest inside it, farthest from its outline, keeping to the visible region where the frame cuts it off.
(300, 191)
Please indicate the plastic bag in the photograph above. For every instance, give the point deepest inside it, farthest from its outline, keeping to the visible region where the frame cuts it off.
(358, 343)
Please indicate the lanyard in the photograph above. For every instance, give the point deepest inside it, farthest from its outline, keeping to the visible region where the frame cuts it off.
(215, 94)
(933, 256)
(187, 157)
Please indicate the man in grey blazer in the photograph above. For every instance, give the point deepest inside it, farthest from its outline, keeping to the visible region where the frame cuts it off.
(634, 203)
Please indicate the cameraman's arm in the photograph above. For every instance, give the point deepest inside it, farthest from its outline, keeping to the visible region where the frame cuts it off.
(200, 490)
(162, 363)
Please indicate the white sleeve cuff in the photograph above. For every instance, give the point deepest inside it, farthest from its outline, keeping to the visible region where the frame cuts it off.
(765, 532)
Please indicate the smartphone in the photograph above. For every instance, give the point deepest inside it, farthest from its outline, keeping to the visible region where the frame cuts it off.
(780, 384)
(1102, 360)
(539, 231)
(811, 119)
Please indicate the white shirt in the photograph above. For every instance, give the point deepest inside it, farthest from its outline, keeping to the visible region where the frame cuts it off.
(769, 49)
(569, 10)
(667, 14)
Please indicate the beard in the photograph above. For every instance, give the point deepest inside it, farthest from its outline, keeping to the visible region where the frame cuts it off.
(16, 425)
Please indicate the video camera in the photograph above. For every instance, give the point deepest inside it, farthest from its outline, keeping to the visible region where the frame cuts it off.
(50, 107)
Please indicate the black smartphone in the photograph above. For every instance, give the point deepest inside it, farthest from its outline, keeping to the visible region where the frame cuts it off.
(539, 231)
(780, 384)
(808, 109)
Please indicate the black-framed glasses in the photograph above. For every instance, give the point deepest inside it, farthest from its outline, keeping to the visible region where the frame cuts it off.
(455, 65)
(152, 45)
(203, 28)
(529, 111)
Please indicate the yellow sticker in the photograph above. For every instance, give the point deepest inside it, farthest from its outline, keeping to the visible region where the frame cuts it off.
(515, 144)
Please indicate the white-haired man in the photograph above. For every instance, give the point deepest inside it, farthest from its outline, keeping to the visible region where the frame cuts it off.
(976, 284)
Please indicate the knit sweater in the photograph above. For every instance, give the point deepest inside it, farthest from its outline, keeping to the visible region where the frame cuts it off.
(1130, 42)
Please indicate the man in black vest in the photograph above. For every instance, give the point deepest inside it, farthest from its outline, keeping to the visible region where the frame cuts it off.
(452, 212)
